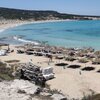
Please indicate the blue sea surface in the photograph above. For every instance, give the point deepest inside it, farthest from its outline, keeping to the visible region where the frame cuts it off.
(65, 33)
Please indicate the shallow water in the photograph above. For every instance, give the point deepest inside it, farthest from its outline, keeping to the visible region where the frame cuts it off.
(65, 33)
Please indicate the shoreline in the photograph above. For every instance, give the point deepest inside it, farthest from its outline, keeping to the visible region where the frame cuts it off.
(15, 23)
(8, 24)
(68, 80)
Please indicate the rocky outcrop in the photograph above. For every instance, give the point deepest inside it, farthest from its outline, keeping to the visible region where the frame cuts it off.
(17, 90)
(58, 97)
(25, 90)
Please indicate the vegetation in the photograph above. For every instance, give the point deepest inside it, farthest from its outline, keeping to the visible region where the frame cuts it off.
(52, 91)
(5, 73)
(93, 96)
(97, 53)
(7, 13)
(69, 58)
(96, 61)
(12, 61)
(83, 60)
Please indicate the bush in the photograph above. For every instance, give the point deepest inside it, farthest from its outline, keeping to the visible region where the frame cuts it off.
(12, 61)
(5, 73)
(83, 60)
(92, 97)
(96, 61)
(97, 53)
(70, 58)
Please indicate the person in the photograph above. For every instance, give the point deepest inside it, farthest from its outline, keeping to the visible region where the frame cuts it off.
(80, 72)
(50, 59)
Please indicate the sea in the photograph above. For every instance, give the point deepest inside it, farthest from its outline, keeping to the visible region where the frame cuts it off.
(74, 34)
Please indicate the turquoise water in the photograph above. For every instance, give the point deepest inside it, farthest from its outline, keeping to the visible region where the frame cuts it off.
(65, 33)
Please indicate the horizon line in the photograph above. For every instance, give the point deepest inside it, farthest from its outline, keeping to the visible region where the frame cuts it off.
(49, 10)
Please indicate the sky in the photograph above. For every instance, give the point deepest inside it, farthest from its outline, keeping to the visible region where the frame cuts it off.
(82, 7)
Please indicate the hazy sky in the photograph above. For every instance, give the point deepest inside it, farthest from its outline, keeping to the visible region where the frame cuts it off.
(87, 7)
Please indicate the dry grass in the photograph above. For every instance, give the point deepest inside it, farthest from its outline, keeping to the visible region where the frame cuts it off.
(12, 61)
(83, 60)
(5, 73)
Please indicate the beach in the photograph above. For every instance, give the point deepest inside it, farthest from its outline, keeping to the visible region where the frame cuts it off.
(74, 83)
(69, 81)
(65, 33)
(6, 24)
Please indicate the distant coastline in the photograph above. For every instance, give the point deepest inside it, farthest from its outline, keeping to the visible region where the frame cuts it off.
(16, 17)
(6, 24)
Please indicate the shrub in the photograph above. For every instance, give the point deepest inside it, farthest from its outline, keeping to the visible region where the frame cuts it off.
(70, 58)
(12, 61)
(83, 60)
(92, 97)
(96, 61)
(5, 73)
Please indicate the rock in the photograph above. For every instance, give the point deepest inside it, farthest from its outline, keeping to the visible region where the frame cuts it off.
(58, 97)
(45, 94)
(17, 90)
(24, 85)
(24, 90)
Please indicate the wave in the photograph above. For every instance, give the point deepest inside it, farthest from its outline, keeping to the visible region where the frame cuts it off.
(25, 41)
(1, 30)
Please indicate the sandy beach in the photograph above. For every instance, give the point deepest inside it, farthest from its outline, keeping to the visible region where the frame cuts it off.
(68, 80)
(5, 24)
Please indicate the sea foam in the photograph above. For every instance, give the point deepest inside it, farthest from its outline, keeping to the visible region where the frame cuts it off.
(25, 41)
(1, 30)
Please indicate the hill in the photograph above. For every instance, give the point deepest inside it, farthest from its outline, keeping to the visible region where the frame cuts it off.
(9, 13)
